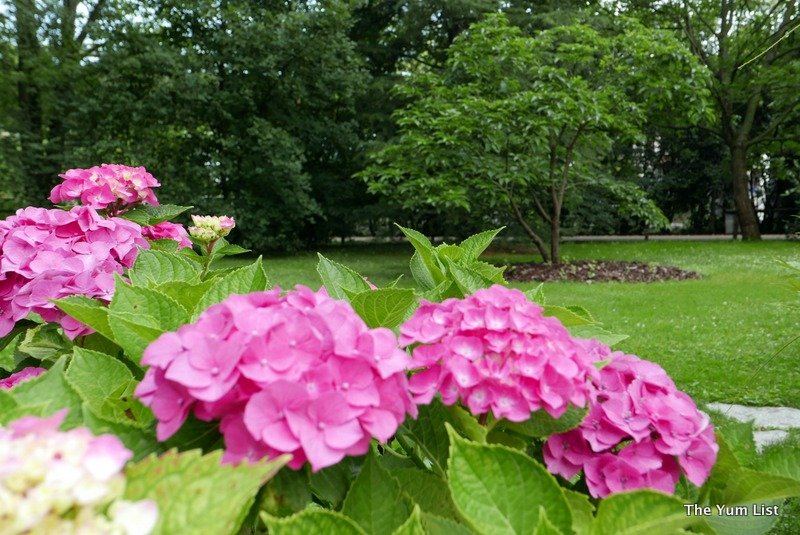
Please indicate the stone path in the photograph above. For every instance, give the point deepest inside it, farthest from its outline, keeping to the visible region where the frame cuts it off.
(771, 423)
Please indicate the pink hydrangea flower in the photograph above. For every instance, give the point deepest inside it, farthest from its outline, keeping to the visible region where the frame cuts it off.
(23, 375)
(168, 231)
(106, 186)
(299, 373)
(640, 432)
(495, 351)
(50, 254)
(68, 481)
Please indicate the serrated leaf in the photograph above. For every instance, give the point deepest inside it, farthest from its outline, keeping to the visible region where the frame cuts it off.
(310, 521)
(545, 527)
(330, 484)
(167, 245)
(436, 525)
(140, 441)
(186, 294)
(541, 424)
(147, 215)
(287, 493)
(197, 493)
(88, 311)
(7, 360)
(477, 243)
(422, 276)
(641, 512)
(134, 332)
(337, 277)
(466, 424)
(468, 280)
(8, 405)
(106, 386)
(45, 342)
(413, 525)
(781, 460)
(537, 295)
(428, 490)
(496, 489)
(582, 511)
(223, 248)
(569, 316)
(384, 307)
(157, 267)
(427, 435)
(598, 333)
(489, 272)
(45, 395)
(426, 255)
(453, 252)
(247, 279)
(375, 500)
(138, 300)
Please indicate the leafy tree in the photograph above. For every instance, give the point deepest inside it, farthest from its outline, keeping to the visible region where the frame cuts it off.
(521, 124)
(751, 50)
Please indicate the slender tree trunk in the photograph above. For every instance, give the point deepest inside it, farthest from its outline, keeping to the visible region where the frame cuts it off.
(535, 238)
(555, 239)
(745, 210)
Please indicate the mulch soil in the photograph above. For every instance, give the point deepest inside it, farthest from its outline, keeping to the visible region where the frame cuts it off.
(597, 271)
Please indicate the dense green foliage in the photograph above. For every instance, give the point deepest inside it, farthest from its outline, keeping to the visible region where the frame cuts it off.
(266, 110)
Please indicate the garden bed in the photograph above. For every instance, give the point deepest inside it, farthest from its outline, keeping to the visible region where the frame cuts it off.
(597, 271)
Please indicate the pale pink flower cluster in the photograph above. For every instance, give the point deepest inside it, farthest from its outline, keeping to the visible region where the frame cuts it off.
(106, 186)
(66, 482)
(641, 432)
(21, 376)
(168, 231)
(495, 351)
(299, 373)
(50, 254)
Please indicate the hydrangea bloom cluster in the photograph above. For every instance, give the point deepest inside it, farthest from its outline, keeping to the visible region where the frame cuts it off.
(61, 482)
(299, 373)
(106, 186)
(641, 432)
(21, 376)
(50, 254)
(208, 228)
(168, 231)
(495, 351)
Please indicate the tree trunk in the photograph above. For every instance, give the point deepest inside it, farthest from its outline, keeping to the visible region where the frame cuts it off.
(535, 238)
(745, 210)
(555, 237)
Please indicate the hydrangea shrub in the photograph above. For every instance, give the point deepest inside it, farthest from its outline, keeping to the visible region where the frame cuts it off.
(458, 405)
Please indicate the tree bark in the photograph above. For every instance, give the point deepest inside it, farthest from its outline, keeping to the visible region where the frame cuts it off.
(535, 238)
(745, 210)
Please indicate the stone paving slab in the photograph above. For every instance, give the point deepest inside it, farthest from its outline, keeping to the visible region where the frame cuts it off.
(771, 423)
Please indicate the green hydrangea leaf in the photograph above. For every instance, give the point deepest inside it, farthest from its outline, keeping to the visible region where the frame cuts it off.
(336, 278)
(437, 525)
(541, 424)
(45, 395)
(782, 460)
(570, 316)
(157, 267)
(331, 484)
(310, 521)
(45, 342)
(426, 254)
(148, 215)
(412, 526)
(142, 442)
(88, 311)
(247, 279)
(188, 295)
(137, 300)
(196, 493)
(476, 244)
(498, 489)
(106, 386)
(545, 527)
(643, 512)
(536, 295)
(134, 332)
(385, 307)
(375, 500)
(582, 511)
(7, 360)
(428, 490)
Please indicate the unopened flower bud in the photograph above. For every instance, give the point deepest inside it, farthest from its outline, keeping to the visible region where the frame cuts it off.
(208, 228)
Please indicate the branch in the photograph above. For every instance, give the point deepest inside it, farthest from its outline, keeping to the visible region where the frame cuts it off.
(775, 123)
(94, 14)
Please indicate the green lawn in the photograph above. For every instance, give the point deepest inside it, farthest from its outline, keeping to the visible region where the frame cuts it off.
(711, 335)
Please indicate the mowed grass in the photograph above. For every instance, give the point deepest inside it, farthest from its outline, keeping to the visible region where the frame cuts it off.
(721, 337)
